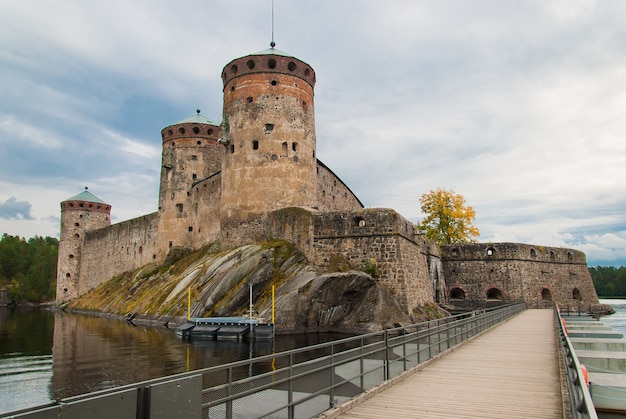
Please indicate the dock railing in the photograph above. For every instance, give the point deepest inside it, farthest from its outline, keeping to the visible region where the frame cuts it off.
(580, 398)
(299, 383)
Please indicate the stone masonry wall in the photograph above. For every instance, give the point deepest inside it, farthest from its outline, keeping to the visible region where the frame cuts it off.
(332, 193)
(118, 248)
(517, 272)
(380, 237)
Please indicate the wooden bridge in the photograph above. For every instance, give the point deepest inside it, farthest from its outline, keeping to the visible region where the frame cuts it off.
(510, 371)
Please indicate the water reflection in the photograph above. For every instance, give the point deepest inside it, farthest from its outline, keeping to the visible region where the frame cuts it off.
(49, 355)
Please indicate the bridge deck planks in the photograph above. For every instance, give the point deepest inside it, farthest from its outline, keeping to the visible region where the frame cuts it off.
(511, 371)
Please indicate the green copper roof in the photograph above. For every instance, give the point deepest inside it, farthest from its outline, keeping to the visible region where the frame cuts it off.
(273, 51)
(87, 197)
(197, 119)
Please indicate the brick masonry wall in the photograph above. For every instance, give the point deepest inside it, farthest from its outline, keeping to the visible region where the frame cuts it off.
(534, 274)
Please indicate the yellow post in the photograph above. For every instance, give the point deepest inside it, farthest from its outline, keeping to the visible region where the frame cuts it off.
(189, 303)
(272, 303)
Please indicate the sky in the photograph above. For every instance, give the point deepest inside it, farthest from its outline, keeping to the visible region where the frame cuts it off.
(519, 106)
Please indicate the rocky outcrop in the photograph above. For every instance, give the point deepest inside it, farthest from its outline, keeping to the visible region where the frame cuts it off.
(5, 298)
(305, 300)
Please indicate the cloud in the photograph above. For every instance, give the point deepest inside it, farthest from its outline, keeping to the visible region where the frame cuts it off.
(14, 209)
(512, 104)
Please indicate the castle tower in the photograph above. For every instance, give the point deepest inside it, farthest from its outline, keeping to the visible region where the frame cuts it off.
(79, 214)
(191, 155)
(268, 132)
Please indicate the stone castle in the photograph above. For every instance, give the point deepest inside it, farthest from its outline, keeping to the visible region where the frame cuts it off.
(256, 176)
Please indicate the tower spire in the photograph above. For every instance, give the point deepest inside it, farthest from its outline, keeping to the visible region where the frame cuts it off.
(272, 44)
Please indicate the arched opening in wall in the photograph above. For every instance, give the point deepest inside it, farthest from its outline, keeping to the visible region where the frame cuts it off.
(210, 131)
(292, 66)
(494, 294)
(358, 222)
(196, 130)
(140, 249)
(552, 255)
(70, 256)
(284, 148)
(67, 275)
(576, 294)
(294, 146)
(64, 289)
(250, 64)
(77, 235)
(533, 253)
(455, 252)
(570, 256)
(76, 224)
(491, 251)
(181, 130)
(232, 149)
(233, 69)
(255, 145)
(546, 294)
(271, 63)
(457, 294)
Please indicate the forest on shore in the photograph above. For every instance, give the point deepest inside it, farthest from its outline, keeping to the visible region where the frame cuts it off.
(28, 268)
(609, 281)
(28, 271)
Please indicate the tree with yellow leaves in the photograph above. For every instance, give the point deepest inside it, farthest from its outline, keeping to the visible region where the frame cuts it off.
(448, 219)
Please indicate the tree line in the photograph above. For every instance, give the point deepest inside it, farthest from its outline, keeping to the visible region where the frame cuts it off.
(28, 268)
(609, 281)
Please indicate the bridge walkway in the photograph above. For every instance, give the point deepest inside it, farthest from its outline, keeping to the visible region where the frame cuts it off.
(511, 371)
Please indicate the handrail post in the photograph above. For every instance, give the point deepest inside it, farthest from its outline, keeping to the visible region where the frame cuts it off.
(291, 410)
(387, 373)
(331, 393)
(229, 392)
(362, 367)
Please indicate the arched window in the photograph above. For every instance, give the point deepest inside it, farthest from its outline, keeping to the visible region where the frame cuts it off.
(533, 253)
(546, 294)
(491, 251)
(457, 294)
(576, 294)
(494, 294)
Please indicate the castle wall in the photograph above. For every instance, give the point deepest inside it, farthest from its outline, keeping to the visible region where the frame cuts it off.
(77, 217)
(517, 272)
(380, 237)
(115, 249)
(189, 189)
(197, 222)
(269, 134)
(332, 193)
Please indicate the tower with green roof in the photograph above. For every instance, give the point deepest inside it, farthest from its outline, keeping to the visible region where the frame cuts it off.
(268, 133)
(191, 156)
(79, 214)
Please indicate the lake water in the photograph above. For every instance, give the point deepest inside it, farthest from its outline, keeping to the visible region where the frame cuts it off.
(48, 355)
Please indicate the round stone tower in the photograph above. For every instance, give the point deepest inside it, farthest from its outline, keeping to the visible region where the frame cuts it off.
(191, 155)
(268, 133)
(79, 214)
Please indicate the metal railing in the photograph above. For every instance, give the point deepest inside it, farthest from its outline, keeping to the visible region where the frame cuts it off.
(298, 383)
(580, 398)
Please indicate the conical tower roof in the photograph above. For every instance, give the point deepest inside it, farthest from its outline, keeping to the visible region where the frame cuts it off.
(197, 119)
(87, 197)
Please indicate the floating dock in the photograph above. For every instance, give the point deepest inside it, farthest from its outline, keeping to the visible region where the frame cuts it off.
(225, 328)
